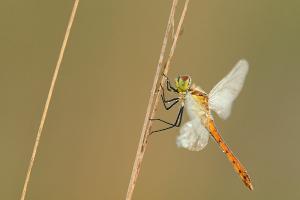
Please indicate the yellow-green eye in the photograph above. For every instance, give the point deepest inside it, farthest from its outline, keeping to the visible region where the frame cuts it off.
(183, 83)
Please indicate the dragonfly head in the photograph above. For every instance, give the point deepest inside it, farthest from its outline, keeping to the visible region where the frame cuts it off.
(183, 83)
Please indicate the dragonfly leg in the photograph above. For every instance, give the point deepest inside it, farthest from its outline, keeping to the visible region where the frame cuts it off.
(169, 86)
(173, 101)
(176, 123)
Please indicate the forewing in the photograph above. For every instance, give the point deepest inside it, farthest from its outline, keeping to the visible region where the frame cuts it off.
(221, 97)
(193, 135)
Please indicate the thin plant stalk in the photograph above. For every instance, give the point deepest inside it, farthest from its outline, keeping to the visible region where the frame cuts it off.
(155, 94)
(167, 65)
(42, 122)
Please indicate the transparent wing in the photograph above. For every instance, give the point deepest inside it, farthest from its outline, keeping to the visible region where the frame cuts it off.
(225, 92)
(193, 135)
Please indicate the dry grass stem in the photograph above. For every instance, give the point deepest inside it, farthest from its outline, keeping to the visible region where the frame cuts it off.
(37, 140)
(167, 65)
(155, 93)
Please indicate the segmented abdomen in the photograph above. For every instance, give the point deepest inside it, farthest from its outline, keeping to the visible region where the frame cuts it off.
(237, 165)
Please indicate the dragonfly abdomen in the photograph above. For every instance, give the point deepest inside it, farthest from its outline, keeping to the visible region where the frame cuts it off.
(237, 165)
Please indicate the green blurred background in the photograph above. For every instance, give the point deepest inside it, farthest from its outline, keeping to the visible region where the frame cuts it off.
(93, 126)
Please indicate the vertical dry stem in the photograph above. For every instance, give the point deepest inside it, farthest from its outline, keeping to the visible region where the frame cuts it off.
(37, 140)
(155, 93)
(167, 66)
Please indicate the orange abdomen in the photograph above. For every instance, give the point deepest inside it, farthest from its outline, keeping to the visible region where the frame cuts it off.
(237, 165)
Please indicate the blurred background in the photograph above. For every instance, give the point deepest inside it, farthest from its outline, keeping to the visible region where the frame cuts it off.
(95, 118)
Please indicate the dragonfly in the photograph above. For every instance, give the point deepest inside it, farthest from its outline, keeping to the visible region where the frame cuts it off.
(195, 133)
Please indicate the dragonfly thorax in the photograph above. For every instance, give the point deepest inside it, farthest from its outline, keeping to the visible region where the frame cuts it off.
(183, 83)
